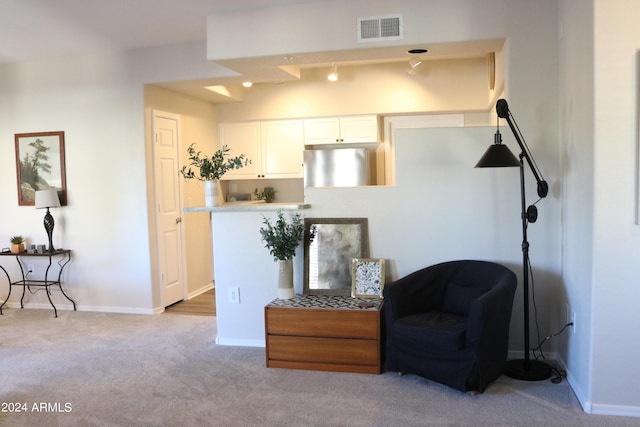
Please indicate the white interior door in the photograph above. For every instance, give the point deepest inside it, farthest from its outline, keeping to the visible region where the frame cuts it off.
(166, 133)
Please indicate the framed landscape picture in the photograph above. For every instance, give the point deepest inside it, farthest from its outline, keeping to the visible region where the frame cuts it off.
(40, 165)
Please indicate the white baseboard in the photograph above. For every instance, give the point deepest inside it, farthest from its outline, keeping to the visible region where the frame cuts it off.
(240, 342)
(560, 364)
(69, 307)
(200, 291)
(120, 310)
(580, 395)
(588, 406)
(617, 410)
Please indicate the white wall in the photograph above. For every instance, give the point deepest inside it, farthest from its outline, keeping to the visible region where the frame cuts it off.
(244, 263)
(98, 102)
(616, 237)
(99, 108)
(441, 209)
(577, 153)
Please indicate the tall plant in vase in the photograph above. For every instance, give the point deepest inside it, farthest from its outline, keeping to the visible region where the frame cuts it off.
(211, 169)
(282, 238)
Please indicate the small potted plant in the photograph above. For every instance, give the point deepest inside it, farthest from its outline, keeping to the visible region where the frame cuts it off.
(17, 244)
(282, 239)
(211, 169)
(268, 194)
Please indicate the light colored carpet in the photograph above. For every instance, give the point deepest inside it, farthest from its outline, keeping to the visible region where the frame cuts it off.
(97, 369)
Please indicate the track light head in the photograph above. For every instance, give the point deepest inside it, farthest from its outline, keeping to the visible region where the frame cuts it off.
(414, 64)
(333, 74)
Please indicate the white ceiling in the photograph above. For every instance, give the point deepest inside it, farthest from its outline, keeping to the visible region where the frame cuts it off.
(36, 29)
(39, 29)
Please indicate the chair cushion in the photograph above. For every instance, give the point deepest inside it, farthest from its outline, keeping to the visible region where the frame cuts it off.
(458, 298)
(442, 330)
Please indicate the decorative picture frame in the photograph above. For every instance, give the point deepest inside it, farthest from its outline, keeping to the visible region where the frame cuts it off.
(40, 164)
(330, 245)
(368, 275)
(238, 197)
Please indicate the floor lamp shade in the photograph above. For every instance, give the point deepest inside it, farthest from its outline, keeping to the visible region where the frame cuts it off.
(498, 156)
(48, 199)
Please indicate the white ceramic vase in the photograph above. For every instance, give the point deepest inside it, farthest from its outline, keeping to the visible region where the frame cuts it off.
(211, 193)
(285, 279)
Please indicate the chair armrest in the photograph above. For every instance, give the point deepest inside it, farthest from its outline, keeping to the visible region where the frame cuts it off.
(490, 314)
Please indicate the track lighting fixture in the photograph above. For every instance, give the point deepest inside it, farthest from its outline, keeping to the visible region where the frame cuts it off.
(333, 75)
(414, 63)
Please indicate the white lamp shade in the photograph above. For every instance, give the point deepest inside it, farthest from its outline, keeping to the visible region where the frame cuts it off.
(47, 199)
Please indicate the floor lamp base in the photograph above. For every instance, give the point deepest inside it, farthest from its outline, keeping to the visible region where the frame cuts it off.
(527, 370)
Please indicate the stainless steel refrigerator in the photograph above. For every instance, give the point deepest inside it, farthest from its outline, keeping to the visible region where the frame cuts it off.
(343, 167)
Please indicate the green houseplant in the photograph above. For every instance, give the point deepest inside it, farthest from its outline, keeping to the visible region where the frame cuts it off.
(282, 238)
(268, 194)
(211, 168)
(17, 244)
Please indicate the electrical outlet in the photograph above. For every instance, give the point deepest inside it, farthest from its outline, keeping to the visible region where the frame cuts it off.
(31, 269)
(234, 295)
(573, 320)
(570, 318)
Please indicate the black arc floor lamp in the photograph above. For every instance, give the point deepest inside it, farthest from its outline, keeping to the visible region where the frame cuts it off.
(499, 155)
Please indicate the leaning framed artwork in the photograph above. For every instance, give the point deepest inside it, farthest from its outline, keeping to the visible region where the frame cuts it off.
(330, 245)
(40, 165)
(367, 276)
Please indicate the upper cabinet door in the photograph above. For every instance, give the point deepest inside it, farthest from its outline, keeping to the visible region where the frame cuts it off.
(274, 147)
(282, 147)
(341, 130)
(359, 129)
(242, 138)
(325, 130)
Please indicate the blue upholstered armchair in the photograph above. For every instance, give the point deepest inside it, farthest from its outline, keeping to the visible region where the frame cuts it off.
(450, 323)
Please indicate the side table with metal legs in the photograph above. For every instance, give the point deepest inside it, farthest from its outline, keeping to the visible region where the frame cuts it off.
(46, 283)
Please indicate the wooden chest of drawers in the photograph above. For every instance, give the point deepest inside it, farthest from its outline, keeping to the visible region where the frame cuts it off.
(326, 333)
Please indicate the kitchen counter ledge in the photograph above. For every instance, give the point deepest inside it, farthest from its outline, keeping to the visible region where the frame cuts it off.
(250, 207)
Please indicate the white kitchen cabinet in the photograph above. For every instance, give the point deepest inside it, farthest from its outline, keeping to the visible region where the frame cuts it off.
(274, 147)
(242, 138)
(342, 130)
(282, 149)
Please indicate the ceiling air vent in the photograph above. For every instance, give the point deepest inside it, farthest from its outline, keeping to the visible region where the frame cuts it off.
(378, 28)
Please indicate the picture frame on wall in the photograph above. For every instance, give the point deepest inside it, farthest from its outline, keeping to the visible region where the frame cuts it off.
(367, 277)
(40, 165)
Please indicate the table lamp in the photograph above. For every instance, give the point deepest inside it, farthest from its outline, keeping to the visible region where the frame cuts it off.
(48, 199)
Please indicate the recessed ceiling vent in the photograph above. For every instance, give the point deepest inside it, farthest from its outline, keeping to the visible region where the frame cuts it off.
(379, 28)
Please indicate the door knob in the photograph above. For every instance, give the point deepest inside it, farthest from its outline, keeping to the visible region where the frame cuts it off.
(178, 220)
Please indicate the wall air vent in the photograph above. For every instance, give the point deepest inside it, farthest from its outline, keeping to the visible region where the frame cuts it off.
(379, 28)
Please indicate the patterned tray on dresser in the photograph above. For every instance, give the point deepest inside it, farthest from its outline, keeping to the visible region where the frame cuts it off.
(328, 301)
